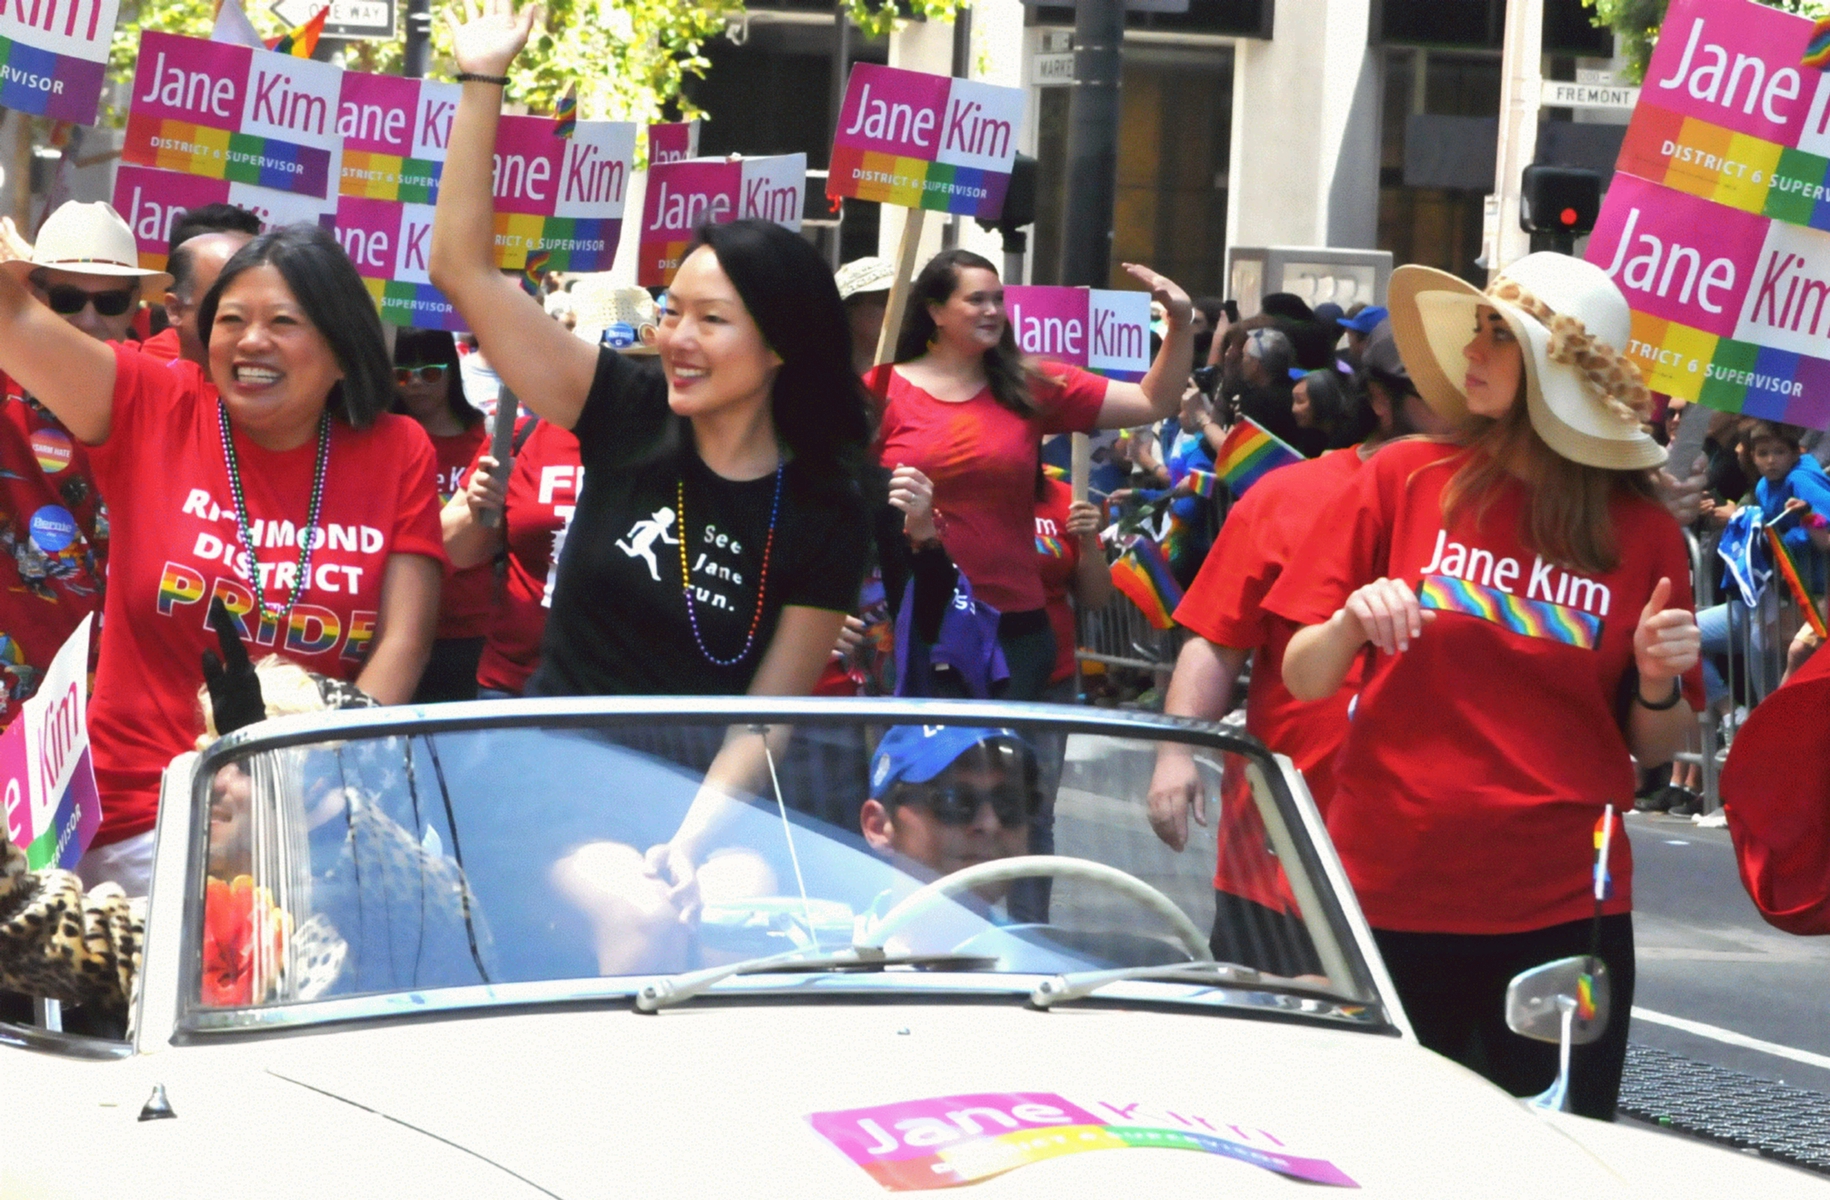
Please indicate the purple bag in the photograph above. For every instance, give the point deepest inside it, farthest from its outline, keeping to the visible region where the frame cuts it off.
(964, 661)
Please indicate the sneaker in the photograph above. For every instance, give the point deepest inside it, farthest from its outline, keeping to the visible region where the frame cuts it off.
(1685, 803)
(1713, 820)
(1657, 800)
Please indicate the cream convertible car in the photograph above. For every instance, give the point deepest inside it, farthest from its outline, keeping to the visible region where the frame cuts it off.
(429, 953)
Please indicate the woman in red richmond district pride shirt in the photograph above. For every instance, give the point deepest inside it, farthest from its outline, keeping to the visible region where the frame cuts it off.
(208, 502)
(1527, 605)
(963, 405)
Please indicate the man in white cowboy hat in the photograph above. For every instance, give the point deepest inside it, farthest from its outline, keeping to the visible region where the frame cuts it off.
(53, 525)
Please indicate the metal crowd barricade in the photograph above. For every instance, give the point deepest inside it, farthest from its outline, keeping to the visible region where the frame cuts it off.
(1120, 635)
(1759, 639)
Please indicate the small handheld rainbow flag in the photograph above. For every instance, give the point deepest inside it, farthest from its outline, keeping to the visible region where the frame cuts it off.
(1203, 483)
(1585, 996)
(1604, 843)
(1142, 574)
(302, 41)
(1249, 453)
(1817, 50)
(1060, 474)
(535, 271)
(1788, 567)
(565, 114)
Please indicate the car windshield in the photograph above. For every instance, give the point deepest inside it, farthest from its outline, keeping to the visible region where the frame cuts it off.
(496, 854)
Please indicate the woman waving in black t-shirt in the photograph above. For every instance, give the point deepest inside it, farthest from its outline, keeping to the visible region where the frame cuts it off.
(720, 536)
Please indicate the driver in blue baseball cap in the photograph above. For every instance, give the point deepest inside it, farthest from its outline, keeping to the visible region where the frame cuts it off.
(947, 797)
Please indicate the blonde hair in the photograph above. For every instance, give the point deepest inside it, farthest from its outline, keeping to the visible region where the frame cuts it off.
(287, 689)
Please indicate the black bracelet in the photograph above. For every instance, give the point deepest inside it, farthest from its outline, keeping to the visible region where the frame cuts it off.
(1677, 693)
(500, 81)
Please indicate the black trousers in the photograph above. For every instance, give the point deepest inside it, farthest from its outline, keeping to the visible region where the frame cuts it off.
(1265, 939)
(451, 672)
(1453, 987)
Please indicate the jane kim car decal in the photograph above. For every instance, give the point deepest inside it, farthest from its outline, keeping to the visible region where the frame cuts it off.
(947, 1141)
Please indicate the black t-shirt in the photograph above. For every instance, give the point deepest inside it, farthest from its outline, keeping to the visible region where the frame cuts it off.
(619, 623)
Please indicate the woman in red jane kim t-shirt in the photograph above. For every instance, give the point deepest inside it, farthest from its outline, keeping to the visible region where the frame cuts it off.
(213, 500)
(431, 391)
(964, 406)
(1527, 603)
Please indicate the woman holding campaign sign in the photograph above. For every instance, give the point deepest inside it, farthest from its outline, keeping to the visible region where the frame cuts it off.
(963, 404)
(1528, 603)
(285, 492)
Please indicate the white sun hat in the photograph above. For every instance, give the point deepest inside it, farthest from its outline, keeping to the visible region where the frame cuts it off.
(89, 239)
(862, 276)
(1584, 398)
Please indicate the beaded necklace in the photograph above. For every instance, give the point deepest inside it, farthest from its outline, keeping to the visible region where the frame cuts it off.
(277, 613)
(762, 584)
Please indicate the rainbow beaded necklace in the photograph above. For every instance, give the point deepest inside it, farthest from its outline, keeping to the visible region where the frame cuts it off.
(762, 583)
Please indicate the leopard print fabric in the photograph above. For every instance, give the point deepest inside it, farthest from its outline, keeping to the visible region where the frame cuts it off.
(59, 943)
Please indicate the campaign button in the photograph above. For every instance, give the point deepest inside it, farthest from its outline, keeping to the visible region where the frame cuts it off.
(53, 529)
(51, 447)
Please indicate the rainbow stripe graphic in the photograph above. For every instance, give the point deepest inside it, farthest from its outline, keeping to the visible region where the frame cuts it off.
(414, 304)
(1720, 165)
(238, 601)
(312, 630)
(1249, 453)
(912, 183)
(1533, 618)
(361, 633)
(1730, 375)
(1788, 568)
(570, 243)
(220, 154)
(565, 114)
(1142, 574)
(1817, 50)
(374, 176)
(1049, 547)
(178, 584)
(75, 84)
(1204, 483)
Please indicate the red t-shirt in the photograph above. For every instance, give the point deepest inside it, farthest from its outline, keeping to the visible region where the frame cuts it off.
(1057, 560)
(1478, 762)
(982, 459)
(542, 491)
(164, 345)
(1225, 604)
(54, 531)
(176, 547)
(467, 603)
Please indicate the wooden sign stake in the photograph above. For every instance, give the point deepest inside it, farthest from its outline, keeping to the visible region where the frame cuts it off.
(1083, 465)
(912, 222)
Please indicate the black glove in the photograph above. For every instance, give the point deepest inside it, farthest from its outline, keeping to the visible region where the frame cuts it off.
(235, 690)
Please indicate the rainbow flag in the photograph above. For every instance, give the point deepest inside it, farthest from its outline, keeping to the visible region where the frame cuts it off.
(301, 42)
(565, 114)
(1054, 472)
(1250, 452)
(1782, 559)
(1585, 996)
(1817, 50)
(1203, 483)
(1142, 574)
(1604, 842)
(1533, 618)
(1049, 547)
(535, 271)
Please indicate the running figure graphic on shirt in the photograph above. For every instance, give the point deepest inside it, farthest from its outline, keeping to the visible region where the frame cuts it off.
(641, 538)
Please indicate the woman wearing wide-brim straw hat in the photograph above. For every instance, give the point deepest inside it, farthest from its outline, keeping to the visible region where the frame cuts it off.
(1527, 605)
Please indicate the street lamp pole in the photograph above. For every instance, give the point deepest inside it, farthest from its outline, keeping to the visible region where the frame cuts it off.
(1521, 79)
(419, 38)
(1092, 149)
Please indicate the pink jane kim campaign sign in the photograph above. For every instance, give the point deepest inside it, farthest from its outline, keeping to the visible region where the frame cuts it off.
(925, 141)
(675, 141)
(228, 112)
(1104, 331)
(681, 196)
(153, 200)
(46, 780)
(53, 54)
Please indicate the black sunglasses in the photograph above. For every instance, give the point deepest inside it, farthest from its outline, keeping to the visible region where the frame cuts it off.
(66, 300)
(958, 805)
(429, 374)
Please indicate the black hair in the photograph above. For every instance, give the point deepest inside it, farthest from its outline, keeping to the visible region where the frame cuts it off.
(211, 218)
(1006, 374)
(425, 347)
(818, 403)
(324, 282)
(1211, 307)
(1327, 399)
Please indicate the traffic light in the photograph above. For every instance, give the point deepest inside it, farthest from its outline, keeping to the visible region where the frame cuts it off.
(1019, 206)
(1559, 200)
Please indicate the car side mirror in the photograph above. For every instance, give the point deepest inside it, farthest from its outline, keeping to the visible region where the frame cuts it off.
(1565, 1002)
(1531, 1000)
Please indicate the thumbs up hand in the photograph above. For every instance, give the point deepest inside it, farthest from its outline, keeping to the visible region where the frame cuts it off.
(1666, 642)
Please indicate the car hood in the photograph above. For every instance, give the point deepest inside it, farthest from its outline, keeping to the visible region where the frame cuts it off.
(716, 1099)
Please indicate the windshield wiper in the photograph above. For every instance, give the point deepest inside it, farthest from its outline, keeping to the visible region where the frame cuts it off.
(1063, 988)
(677, 989)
